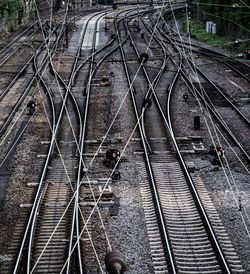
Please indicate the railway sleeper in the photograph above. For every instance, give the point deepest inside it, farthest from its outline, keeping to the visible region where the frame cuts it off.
(198, 271)
(200, 259)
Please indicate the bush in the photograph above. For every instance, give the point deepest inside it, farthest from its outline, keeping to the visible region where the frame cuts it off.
(9, 8)
(199, 31)
(232, 17)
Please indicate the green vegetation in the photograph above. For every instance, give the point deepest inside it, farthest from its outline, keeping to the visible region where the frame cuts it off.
(9, 8)
(199, 31)
(15, 12)
(232, 17)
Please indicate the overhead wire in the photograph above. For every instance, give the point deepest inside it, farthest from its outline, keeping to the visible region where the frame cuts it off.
(244, 4)
(55, 141)
(54, 231)
(214, 143)
(97, 152)
(81, 215)
(232, 6)
(111, 172)
(228, 168)
(60, 154)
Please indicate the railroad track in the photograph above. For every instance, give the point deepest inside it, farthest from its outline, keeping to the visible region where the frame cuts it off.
(240, 68)
(58, 195)
(169, 34)
(238, 154)
(18, 43)
(217, 94)
(88, 195)
(59, 183)
(57, 198)
(216, 98)
(185, 232)
(29, 75)
(183, 217)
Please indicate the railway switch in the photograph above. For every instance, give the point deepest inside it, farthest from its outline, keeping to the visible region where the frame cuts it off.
(215, 155)
(116, 175)
(114, 209)
(32, 104)
(247, 53)
(112, 155)
(185, 97)
(144, 57)
(197, 124)
(114, 262)
(84, 172)
(147, 103)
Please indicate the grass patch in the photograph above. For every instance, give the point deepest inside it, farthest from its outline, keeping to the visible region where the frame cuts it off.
(199, 31)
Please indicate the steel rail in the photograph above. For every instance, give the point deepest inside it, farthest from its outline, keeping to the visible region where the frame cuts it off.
(243, 117)
(246, 120)
(81, 153)
(210, 229)
(23, 69)
(149, 167)
(55, 128)
(212, 53)
(63, 107)
(70, 82)
(39, 190)
(23, 95)
(205, 76)
(217, 117)
(48, 94)
(72, 77)
(13, 51)
(98, 51)
(75, 221)
(17, 38)
(152, 84)
(215, 113)
(168, 123)
(92, 72)
(220, 254)
(82, 135)
(223, 59)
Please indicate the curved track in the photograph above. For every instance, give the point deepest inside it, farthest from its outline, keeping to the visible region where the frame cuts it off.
(184, 219)
(184, 230)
